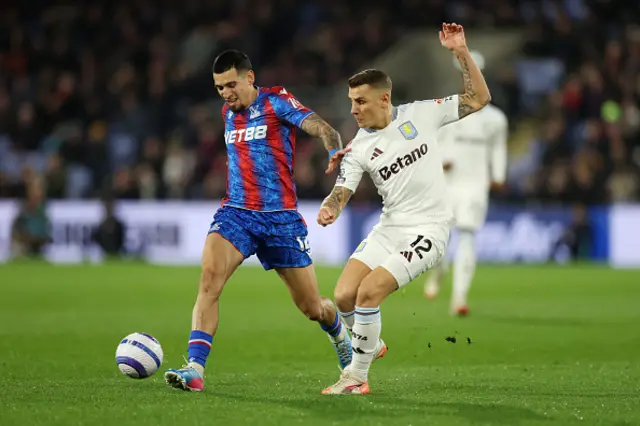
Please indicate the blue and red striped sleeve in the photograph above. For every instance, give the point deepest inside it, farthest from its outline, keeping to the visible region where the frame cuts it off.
(287, 107)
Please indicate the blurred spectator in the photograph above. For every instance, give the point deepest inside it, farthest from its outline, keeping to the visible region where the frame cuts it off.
(124, 185)
(624, 185)
(110, 234)
(176, 173)
(578, 237)
(55, 177)
(30, 230)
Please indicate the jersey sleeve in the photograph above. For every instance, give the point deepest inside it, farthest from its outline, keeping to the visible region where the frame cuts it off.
(441, 111)
(288, 108)
(499, 149)
(350, 172)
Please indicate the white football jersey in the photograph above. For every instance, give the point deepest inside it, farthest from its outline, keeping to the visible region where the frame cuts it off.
(404, 162)
(476, 147)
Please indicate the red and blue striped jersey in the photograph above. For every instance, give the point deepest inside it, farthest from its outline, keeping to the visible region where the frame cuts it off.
(260, 143)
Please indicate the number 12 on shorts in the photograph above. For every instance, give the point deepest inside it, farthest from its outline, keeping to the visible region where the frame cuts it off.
(419, 246)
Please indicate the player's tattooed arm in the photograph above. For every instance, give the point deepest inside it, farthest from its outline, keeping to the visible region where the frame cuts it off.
(476, 93)
(332, 205)
(317, 127)
(338, 198)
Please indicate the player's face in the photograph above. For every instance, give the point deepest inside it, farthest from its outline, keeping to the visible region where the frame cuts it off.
(236, 88)
(369, 106)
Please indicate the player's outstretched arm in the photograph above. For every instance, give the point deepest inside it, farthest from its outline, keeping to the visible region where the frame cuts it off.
(333, 205)
(476, 92)
(317, 127)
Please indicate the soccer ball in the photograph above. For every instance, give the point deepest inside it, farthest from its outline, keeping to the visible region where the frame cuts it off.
(139, 355)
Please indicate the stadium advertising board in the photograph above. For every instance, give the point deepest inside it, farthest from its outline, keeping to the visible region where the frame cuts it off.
(174, 232)
(164, 233)
(624, 236)
(509, 234)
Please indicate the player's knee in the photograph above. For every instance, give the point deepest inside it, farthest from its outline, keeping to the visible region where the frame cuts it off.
(370, 294)
(345, 296)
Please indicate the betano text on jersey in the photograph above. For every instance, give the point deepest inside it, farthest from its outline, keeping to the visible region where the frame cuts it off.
(405, 163)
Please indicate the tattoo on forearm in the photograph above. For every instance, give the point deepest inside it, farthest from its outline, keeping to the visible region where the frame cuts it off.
(317, 127)
(465, 100)
(338, 198)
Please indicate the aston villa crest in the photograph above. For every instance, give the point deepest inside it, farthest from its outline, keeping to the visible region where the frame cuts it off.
(408, 130)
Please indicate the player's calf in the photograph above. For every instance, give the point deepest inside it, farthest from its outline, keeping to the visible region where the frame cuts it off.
(345, 296)
(313, 311)
(212, 281)
(346, 289)
(304, 290)
(375, 288)
(205, 314)
(366, 330)
(220, 258)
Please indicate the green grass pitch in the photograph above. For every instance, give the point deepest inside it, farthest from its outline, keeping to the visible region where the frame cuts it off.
(550, 346)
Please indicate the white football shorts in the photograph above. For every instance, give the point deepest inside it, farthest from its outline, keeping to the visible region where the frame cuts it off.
(406, 252)
(470, 212)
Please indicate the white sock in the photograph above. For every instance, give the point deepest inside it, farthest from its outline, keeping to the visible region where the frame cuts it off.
(199, 368)
(464, 267)
(366, 334)
(347, 319)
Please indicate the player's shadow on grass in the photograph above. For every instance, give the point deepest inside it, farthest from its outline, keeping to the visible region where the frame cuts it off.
(337, 408)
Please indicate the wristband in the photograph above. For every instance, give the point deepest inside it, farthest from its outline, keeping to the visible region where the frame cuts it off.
(333, 151)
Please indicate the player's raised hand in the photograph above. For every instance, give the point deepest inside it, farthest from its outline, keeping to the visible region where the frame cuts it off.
(326, 216)
(335, 159)
(452, 37)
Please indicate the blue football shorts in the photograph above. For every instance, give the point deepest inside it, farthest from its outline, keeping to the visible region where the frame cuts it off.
(279, 239)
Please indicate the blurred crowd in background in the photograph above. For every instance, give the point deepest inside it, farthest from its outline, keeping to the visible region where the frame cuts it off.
(116, 99)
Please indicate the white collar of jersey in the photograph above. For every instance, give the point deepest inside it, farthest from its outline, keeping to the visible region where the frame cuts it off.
(394, 115)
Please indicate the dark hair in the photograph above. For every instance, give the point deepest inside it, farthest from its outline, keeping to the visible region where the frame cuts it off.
(374, 78)
(230, 59)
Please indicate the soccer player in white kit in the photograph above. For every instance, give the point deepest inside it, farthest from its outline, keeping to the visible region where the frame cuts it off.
(474, 152)
(399, 150)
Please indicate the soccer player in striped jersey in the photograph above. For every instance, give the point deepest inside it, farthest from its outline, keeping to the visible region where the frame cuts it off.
(259, 212)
